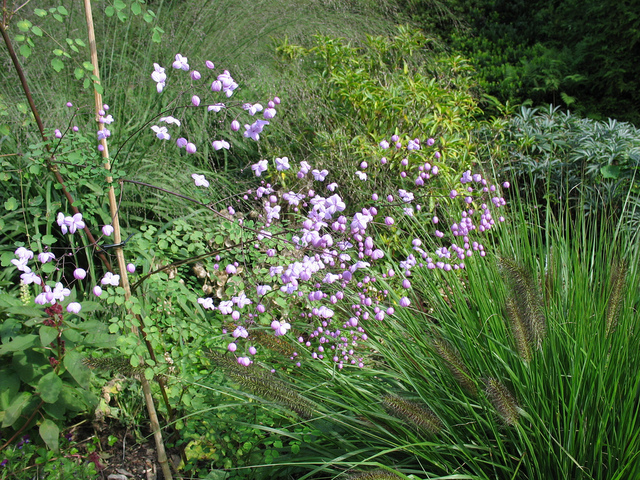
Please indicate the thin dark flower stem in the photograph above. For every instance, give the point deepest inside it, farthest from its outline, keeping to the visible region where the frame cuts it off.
(52, 168)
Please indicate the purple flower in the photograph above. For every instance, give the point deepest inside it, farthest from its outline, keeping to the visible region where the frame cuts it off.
(360, 222)
(181, 63)
(110, 279)
(269, 113)
(320, 175)
(207, 303)
(74, 307)
(22, 252)
(29, 277)
(255, 129)
(260, 167)
(195, 100)
(216, 108)
(159, 77)
(97, 291)
(195, 75)
(199, 180)
(209, 64)
(219, 144)
(384, 144)
(282, 164)
(244, 361)
(45, 257)
(405, 302)
(107, 230)
(131, 268)
(280, 328)
(161, 132)
(191, 148)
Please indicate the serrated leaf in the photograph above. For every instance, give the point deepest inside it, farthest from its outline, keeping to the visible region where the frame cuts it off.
(49, 387)
(12, 413)
(50, 432)
(25, 50)
(57, 65)
(73, 362)
(36, 31)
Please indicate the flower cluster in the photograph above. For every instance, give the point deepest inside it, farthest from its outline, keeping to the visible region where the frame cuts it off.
(223, 83)
(335, 271)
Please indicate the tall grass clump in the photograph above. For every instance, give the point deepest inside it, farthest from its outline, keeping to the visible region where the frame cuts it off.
(525, 366)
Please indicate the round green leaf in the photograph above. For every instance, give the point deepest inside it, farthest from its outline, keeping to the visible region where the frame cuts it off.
(36, 31)
(57, 65)
(11, 204)
(24, 25)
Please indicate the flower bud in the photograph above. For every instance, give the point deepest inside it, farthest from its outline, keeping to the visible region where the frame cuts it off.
(195, 100)
(235, 125)
(131, 268)
(195, 75)
(107, 230)
(79, 273)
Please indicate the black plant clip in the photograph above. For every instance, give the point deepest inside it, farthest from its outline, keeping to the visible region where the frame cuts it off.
(104, 248)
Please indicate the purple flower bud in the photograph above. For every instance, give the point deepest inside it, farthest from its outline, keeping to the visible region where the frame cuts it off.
(57, 133)
(232, 347)
(97, 291)
(80, 273)
(235, 125)
(101, 148)
(131, 268)
(107, 230)
(69, 104)
(276, 100)
(364, 165)
(209, 64)
(195, 100)
(181, 142)
(191, 148)
(405, 302)
(75, 128)
(506, 184)
(216, 86)
(406, 283)
(195, 75)
(105, 107)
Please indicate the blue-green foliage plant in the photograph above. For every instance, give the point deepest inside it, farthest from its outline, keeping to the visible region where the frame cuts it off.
(589, 165)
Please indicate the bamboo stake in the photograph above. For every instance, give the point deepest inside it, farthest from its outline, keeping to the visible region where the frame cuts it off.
(153, 416)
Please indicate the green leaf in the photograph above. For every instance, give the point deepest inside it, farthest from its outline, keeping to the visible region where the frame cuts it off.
(15, 409)
(63, 10)
(39, 12)
(57, 52)
(610, 171)
(49, 240)
(50, 432)
(25, 50)
(11, 204)
(24, 25)
(9, 387)
(80, 42)
(57, 65)
(119, 4)
(58, 17)
(36, 31)
(157, 35)
(109, 11)
(78, 73)
(19, 343)
(88, 66)
(136, 9)
(73, 362)
(47, 335)
(49, 387)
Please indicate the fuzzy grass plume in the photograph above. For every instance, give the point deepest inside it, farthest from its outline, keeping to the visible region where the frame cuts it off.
(418, 415)
(502, 400)
(375, 475)
(265, 385)
(526, 302)
(454, 363)
(617, 285)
